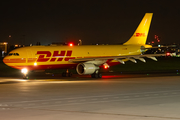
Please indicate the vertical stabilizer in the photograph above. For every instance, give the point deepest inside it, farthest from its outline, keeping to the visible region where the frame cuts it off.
(141, 33)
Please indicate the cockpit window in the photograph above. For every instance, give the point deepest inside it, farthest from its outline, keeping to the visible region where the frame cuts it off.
(15, 54)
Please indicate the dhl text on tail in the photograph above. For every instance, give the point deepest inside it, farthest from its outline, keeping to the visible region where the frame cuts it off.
(86, 59)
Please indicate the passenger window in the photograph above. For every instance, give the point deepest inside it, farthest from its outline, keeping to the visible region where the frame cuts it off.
(10, 54)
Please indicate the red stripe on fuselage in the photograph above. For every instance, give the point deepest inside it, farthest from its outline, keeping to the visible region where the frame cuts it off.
(43, 67)
(31, 60)
(15, 60)
(55, 66)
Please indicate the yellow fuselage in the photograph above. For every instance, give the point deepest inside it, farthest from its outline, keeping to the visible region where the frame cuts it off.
(51, 57)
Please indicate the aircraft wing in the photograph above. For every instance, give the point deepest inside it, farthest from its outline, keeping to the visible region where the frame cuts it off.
(119, 58)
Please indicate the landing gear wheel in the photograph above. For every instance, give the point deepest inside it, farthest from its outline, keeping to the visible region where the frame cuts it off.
(96, 75)
(99, 75)
(64, 74)
(69, 74)
(25, 77)
(92, 75)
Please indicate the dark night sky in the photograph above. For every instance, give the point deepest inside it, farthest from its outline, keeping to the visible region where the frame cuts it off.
(93, 21)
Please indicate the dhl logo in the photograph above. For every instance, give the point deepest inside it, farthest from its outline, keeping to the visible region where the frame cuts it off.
(45, 56)
(139, 35)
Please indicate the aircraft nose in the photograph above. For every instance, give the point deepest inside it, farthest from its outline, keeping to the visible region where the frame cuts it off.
(5, 60)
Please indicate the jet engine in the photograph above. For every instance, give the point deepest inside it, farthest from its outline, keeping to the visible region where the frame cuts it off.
(86, 68)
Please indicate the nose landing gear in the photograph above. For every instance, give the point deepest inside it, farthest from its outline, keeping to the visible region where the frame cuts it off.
(25, 77)
(25, 71)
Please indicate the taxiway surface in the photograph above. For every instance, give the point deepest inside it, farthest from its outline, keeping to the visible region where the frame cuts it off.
(139, 98)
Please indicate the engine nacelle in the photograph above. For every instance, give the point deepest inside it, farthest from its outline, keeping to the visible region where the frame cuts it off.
(86, 68)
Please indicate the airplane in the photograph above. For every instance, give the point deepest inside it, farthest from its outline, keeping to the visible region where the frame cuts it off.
(86, 59)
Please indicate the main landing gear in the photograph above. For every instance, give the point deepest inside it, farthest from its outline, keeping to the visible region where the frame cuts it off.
(96, 75)
(67, 74)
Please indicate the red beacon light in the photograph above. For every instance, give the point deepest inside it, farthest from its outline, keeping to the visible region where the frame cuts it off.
(71, 44)
(168, 54)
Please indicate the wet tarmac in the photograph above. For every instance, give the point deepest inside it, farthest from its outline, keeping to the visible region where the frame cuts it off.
(122, 96)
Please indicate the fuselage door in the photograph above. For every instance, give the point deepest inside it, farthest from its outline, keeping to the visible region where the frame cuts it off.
(29, 55)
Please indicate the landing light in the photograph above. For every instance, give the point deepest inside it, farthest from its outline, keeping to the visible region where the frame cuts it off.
(24, 71)
(35, 64)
